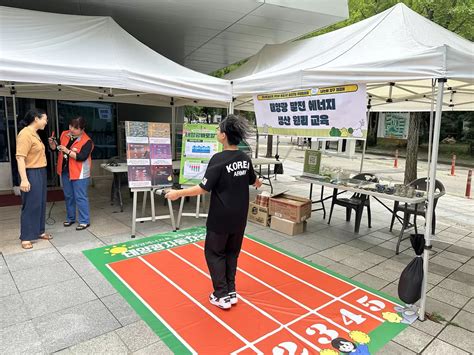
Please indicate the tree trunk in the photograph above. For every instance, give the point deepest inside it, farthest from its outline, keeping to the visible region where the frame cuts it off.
(411, 166)
(269, 146)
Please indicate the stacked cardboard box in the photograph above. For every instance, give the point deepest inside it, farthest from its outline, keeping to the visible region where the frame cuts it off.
(289, 213)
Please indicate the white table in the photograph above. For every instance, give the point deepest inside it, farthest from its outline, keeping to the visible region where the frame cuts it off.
(266, 161)
(119, 170)
(377, 195)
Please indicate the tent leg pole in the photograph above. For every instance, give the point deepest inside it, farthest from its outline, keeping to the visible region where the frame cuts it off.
(173, 130)
(231, 107)
(431, 189)
(363, 155)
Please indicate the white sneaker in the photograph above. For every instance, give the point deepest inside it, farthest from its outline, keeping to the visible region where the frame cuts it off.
(223, 302)
(233, 298)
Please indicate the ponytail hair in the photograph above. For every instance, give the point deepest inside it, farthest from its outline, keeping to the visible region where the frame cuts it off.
(30, 117)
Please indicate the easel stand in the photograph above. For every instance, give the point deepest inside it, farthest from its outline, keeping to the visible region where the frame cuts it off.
(153, 217)
(196, 214)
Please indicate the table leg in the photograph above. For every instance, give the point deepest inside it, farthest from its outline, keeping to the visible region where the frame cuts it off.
(152, 202)
(120, 192)
(145, 194)
(322, 202)
(112, 190)
(180, 213)
(134, 213)
(170, 206)
(198, 205)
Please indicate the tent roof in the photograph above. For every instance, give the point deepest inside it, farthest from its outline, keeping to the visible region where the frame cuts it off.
(394, 46)
(89, 51)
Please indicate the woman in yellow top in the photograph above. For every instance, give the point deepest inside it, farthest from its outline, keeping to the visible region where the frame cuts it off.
(31, 158)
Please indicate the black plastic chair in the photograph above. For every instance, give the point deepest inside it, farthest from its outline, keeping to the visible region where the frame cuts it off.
(416, 209)
(356, 202)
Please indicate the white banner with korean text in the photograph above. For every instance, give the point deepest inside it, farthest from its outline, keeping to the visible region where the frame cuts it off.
(326, 112)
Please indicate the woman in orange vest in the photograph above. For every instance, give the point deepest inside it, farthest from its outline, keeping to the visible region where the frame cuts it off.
(74, 167)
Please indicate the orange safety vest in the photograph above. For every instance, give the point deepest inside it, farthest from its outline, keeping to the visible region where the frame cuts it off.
(77, 169)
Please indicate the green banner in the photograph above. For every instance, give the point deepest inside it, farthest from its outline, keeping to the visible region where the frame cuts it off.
(199, 145)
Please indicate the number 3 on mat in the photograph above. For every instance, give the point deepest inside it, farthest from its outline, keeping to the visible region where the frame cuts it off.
(322, 330)
(374, 305)
(348, 317)
(288, 347)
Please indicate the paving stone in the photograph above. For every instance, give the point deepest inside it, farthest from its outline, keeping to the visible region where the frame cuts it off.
(74, 325)
(371, 239)
(317, 243)
(445, 310)
(428, 326)
(438, 347)
(270, 236)
(454, 256)
(319, 260)
(137, 335)
(463, 277)
(465, 320)
(371, 281)
(391, 289)
(448, 296)
(392, 348)
(467, 268)
(7, 285)
(339, 252)
(109, 343)
(441, 260)
(120, 309)
(458, 337)
(29, 279)
(82, 265)
(343, 269)
(20, 339)
(458, 287)
(460, 250)
(296, 248)
(70, 251)
(56, 297)
(99, 285)
(469, 306)
(413, 339)
(12, 311)
(32, 259)
(3, 266)
(440, 269)
(155, 348)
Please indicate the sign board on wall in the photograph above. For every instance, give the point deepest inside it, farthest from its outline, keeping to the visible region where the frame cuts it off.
(199, 145)
(326, 112)
(148, 154)
(393, 125)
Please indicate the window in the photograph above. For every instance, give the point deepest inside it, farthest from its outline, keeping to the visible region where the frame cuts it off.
(101, 124)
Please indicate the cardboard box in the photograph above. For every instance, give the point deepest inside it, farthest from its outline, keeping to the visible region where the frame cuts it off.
(293, 208)
(287, 227)
(258, 214)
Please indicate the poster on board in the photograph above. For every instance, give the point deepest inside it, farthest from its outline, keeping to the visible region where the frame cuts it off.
(148, 154)
(325, 112)
(198, 146)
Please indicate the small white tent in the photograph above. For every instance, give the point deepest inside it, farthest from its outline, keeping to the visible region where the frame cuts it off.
(385, 51)
(92, 58)
(398, 53)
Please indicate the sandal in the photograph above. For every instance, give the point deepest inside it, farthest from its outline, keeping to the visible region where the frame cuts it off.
(82, 226)
(45, 236)
(68, 224)
(26, 244)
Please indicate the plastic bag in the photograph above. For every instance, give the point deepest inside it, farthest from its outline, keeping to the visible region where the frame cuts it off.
(411, 279)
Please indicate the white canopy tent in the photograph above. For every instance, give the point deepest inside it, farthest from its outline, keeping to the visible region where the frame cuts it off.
(398, 53)
(93, 58)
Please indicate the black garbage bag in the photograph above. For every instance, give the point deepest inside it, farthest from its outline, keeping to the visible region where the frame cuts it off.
(411, 279)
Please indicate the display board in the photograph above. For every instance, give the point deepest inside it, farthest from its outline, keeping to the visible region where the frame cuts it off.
(198, 146)
(312, 162)
(393, 125)
(148, 154)
(326, 112)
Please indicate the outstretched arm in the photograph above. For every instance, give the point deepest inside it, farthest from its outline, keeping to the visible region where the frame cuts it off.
(190, 191)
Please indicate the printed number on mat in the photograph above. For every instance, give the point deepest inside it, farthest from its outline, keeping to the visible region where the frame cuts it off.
(289, 348)
(374, 305)
(322, 330)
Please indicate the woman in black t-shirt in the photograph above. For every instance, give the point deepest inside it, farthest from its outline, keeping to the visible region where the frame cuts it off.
(228, 176)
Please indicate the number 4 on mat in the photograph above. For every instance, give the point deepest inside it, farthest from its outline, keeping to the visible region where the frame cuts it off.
(348, 317)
